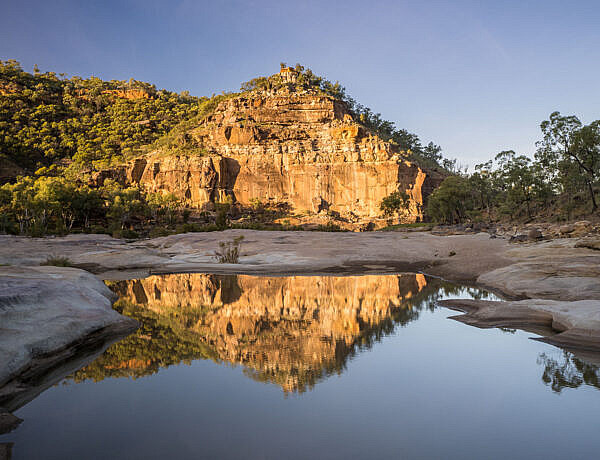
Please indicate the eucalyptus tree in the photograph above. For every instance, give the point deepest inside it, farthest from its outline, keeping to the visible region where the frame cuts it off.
(570, 152)
(516, 176)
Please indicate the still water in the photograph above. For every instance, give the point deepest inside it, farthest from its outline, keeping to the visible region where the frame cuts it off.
(313, 367)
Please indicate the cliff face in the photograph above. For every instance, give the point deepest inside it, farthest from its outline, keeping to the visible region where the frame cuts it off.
(300, 148)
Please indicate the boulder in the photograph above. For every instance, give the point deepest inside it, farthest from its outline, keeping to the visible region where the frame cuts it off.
(534, 235)
(521, 238)
(564, 230)
(50, 315)
(590, 243)
(581, 228)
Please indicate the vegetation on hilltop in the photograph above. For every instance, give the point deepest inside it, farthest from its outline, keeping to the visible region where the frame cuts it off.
(178, 139)
(48, 120)
(429, 155)
(55, 131)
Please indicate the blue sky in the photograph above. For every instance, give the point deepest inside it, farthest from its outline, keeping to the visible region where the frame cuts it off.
(476, 77)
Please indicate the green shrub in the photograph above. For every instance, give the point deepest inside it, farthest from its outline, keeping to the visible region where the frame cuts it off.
(223, 207)
(330, 227)
(99, 229)
(395, 202)
(156, 232)
(191, 227)
(451, 201)
(126, 234)
(391, 228)
(229, 251)
(57, 261)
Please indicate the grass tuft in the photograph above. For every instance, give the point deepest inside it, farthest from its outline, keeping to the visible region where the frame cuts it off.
(57, 261)
(229, 252)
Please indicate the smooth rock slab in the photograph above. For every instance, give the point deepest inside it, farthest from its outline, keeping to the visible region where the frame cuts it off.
(555, 270)
(567, 324)
(49, 315)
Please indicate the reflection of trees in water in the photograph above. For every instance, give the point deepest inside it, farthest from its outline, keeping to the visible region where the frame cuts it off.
(443, 290)
(161, 341)
(291, 331)
(568, 372)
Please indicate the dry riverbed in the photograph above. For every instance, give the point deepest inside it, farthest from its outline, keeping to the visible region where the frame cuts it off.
(550, 286)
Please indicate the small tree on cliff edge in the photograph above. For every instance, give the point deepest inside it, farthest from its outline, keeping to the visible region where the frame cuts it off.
(395, 202)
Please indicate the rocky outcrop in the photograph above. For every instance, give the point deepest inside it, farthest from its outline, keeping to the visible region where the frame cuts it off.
(135, 93)
(547, 230)
(122, 93)
(572, 325)
(301, 148)
(53, 320)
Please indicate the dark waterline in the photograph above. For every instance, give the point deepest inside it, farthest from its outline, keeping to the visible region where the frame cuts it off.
(313, 367)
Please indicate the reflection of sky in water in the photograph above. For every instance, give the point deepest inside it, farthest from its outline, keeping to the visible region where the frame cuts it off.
(424, 387)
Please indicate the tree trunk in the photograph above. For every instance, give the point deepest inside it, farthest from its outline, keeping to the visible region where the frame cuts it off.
(591, 189)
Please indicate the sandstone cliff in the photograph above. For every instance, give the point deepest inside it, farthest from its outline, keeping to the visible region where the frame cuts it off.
(299, 147)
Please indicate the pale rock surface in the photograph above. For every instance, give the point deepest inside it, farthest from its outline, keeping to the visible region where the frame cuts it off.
(589, 242)
(551, 270)
(48, 314)
(545, 271)
(571, 325)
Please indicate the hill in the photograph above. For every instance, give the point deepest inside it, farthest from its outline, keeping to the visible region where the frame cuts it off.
(288, 141)
(292, 143)
(50, 121)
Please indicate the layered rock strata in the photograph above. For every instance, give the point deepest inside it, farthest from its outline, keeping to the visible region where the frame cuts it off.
(299, 148)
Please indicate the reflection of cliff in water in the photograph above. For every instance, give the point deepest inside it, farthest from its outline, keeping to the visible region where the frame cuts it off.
(292, 331)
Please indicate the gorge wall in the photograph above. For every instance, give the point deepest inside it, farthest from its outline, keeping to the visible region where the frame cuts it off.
(302, 148)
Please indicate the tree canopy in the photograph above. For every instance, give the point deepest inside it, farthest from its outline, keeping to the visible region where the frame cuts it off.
(561, 180)
(47, 120)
